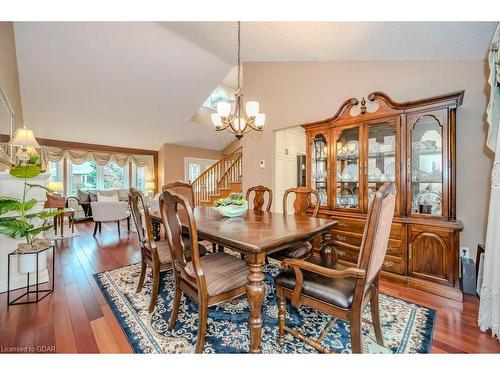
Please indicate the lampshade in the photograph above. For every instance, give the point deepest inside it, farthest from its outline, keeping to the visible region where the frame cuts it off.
(223, 109)
(56, 186)
(150, 185)
(252, 109)
(24, 138)
(260, 119)
(216, 120)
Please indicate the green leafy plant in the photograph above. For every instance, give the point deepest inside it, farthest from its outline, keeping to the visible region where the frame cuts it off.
(19, 223)
(234, 199)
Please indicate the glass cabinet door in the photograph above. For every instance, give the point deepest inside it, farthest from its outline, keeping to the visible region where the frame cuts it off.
(347, 157)
(426, 168)
(319, 167)
(382, 162)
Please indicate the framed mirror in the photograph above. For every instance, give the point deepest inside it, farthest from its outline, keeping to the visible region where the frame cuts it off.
(6, 126)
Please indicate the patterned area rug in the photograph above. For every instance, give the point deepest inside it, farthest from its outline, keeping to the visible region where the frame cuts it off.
(407, 328)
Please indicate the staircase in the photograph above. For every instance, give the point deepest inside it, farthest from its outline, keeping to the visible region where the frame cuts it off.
(218, 181)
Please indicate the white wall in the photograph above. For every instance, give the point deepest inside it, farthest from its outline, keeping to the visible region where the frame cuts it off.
(289, 143)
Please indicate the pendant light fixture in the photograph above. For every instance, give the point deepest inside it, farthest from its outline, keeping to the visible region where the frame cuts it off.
(236, 120)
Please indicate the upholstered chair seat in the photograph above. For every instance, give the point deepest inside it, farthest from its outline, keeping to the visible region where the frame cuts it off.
(337, 292)
(165, 255)
(296, 250)
(223, 272)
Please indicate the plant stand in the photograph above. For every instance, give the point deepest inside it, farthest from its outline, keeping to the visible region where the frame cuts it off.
(40, 293)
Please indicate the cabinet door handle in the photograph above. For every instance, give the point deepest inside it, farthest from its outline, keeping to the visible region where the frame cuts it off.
(341, 224)
(410, 251)
(388, 264)
(340, 238)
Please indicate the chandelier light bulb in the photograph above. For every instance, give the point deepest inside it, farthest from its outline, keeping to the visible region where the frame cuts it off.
(223, 109)
(216, 120)
(252, 109)
(260, 120)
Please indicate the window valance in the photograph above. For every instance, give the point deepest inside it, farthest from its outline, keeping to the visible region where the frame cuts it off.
(56, 154)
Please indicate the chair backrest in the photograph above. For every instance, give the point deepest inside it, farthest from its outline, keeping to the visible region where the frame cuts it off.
(142, 220)
(170, 202)
(377, 231)
(109, 211)
(181, 188)
(302, 201)
(258, 199)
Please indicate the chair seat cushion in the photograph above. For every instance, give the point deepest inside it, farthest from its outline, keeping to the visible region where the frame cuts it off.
(337, 292)
(294, 250)
(223, 272)
(165, 254)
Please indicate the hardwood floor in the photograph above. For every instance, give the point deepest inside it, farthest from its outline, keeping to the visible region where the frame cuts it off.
(77, 319)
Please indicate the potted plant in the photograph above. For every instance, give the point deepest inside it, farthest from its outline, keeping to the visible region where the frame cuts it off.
(232, 206)
(16, 220)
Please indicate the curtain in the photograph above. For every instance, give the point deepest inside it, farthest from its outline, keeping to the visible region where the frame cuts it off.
(55, 154)
(489, 307)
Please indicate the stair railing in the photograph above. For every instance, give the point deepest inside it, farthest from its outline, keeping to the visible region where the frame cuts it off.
(218, 176)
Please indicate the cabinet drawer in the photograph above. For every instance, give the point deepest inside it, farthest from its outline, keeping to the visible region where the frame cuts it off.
(350, 238)
(350, 225)
(397, 231)
(395, 248)
(347, 255)
(393, 264)
(358, 225)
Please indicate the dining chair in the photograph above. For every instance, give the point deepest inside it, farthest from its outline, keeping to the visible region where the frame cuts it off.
(335, 289)
(181, 188)
(302, 202)
(259, 197)
(186, 190)
(155, 254)
(208, 280)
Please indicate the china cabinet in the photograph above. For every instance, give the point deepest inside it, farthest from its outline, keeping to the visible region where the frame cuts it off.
(369, 142)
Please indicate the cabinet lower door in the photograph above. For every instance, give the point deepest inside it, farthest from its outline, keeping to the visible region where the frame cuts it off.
(430, 254)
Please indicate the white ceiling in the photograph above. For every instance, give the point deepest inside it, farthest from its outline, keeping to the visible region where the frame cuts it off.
(122, 84)
(326, 41)
(139, 84)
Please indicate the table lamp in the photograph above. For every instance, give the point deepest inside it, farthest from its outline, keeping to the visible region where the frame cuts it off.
(150, 187)
(56, 186)
(24, 139)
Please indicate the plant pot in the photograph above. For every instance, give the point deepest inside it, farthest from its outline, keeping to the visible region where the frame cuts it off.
(26, 262)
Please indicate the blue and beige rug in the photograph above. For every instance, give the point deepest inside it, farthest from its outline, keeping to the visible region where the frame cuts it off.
(407, 328)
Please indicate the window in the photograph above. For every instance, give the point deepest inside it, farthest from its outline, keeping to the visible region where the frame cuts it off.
(81, 176)
(56, 171)
(113, 176)
(139, 177)
(218, 95)
(193, 168)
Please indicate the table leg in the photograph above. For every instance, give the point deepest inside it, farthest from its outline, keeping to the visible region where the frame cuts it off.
(55, 224)
(255, 295)
(62, 225)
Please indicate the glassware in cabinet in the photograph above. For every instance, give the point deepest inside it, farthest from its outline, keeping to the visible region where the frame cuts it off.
(319, 167)
(347, 168)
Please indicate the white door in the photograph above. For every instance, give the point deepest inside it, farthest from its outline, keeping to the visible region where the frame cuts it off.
(193, 168)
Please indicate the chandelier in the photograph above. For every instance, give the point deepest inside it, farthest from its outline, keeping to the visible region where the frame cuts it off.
(236, 120)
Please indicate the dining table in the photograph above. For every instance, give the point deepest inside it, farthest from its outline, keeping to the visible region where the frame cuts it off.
(255, 234)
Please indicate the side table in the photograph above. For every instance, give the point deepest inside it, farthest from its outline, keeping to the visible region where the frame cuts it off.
(37, 290)
(59, 220)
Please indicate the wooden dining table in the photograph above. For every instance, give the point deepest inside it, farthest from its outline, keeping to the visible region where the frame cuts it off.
(256, 234)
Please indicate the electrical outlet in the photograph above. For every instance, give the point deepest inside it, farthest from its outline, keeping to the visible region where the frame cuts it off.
(464, 252)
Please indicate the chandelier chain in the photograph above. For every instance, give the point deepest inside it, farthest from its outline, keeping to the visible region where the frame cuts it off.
(239, 53)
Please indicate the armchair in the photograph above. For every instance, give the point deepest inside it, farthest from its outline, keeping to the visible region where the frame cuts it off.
(110, 212)
(335, 289)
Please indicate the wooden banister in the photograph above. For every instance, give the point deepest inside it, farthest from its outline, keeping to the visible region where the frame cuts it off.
(217, 177)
